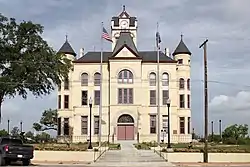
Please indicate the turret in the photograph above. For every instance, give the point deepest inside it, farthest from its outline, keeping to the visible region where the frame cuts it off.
(67, 50)
(182, 53)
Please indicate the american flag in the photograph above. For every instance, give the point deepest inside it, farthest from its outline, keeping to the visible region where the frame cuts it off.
(105, 35)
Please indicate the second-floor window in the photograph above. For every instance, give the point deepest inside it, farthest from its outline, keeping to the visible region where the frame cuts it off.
(181, 83)
(97, 79)
(182, 125)
(188, 84)
(125, 77)
(66, 127)
(66, 101)
(66, 83)
(182, 101)
(97, 97)
(96, 124)
(125, 96)
(84, 97)
(152, 97)
(188, 101)
(165, 97)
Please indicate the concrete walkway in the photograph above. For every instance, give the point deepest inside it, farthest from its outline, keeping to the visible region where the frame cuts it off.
(129, 156)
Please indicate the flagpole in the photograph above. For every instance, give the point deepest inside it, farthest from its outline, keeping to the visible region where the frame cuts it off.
(158, 86)
(100, 105)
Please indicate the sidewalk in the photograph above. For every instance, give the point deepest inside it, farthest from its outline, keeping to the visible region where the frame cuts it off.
(211, 164)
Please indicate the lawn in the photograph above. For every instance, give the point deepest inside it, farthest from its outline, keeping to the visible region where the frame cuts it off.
(197, 147)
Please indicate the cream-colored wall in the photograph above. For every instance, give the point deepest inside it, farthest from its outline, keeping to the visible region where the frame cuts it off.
(141, 98)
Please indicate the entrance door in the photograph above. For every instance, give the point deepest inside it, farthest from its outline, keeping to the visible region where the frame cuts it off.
(125, 127)
(125, 132)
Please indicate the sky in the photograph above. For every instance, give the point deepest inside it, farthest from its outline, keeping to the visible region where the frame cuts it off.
(224, 22)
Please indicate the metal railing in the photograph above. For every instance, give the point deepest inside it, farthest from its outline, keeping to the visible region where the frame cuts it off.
(160, 151)
(98, 152)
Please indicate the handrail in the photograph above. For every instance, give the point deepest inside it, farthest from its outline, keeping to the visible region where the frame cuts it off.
(160, 151)
(104, 145)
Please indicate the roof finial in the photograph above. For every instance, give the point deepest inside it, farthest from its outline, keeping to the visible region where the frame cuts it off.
(124, 8)
(181, 36)
(66, 37)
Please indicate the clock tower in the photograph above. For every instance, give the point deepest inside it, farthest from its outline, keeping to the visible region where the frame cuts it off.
(123, 22)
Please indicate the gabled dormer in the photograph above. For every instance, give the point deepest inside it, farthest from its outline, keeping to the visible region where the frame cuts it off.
(125, 47)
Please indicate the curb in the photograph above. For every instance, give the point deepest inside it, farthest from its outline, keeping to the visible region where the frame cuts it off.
(61, 162)
(211, 164)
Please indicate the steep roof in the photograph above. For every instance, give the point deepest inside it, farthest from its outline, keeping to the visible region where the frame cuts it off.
(146, 56)
(67, 49)
(181, 48)
(125, 40)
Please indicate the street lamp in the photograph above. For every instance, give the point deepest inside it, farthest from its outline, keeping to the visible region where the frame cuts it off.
(90, 116)
(21, 126)
(8, 127)
(168, 104)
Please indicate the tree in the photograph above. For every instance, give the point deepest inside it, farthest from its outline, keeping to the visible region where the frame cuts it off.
(15, 132)
(48, 121)
(29, 134)
(3, 133)
(27, 62)
(233, 133)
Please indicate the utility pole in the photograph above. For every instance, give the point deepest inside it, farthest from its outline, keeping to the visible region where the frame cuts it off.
(212, 130)
(204, 46)
(220, 130)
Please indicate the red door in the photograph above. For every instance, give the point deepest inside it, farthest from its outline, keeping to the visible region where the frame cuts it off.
(125, 132)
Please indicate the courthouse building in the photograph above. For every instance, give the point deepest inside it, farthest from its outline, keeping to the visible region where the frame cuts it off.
(129, 91)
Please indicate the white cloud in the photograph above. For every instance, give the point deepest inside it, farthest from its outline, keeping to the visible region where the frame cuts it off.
(231, 105)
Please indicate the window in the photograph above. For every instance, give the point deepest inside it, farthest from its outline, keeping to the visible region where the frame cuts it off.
(189, 125)
(59, 86)
(180, 61)
(188, 84)
(84, 79)
(59, 126)
(84, 123)
(66, 101)
(125, 76)
(84, 97)
(165, 97)
(181, 83)
(66, 84)
(96, 124)
(97, 97)
(152, 79)
(182, 101)
(125, 96)
(182, 125)
(188, 101)
(66, 127)
(152, 124)
(59, 101)
(152, 97)
(165, 79)
(165, 123)
(97, 79)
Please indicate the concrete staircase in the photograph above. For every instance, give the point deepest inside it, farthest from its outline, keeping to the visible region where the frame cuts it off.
(129, 156)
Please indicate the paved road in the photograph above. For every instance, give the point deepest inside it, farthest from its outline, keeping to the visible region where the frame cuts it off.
(129, 156)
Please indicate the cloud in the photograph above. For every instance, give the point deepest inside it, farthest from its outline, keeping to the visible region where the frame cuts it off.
(224, 22)
(238, 104)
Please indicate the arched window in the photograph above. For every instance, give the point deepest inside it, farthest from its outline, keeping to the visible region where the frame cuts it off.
(152, 79)
(188, 84)
(97, 79)
(125, 76)
(165, 79)
(181, 83)
(84, 79)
